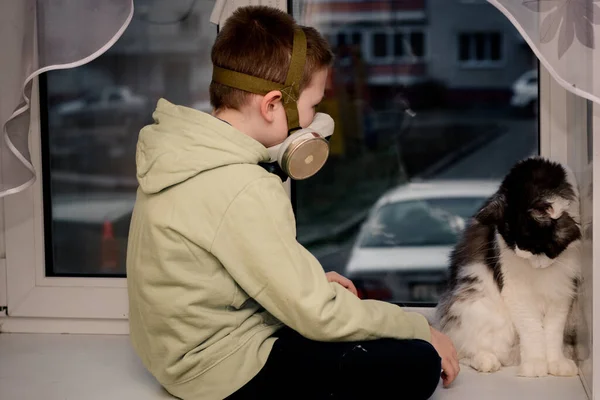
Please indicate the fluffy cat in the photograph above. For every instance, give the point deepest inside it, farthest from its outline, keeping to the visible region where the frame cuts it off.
(515, 274)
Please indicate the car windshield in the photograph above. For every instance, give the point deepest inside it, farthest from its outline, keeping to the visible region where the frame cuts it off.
(423, 222)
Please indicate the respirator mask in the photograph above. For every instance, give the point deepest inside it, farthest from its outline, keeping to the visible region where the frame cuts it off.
(305, 151)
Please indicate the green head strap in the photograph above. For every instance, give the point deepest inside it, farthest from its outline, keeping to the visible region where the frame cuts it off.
(290, 90)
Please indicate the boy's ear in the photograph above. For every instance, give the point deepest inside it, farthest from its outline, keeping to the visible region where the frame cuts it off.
(270, 103)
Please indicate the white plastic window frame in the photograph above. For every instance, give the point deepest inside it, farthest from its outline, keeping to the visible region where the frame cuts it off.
(37, 303)
(564, 129)
(591, 375)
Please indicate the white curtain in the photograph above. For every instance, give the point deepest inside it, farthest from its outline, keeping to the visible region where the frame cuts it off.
(37, 36)
(565, 36)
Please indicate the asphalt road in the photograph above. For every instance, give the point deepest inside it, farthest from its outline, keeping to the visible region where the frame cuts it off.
(491, 161)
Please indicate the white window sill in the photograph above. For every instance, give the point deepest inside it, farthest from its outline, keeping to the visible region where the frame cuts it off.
(53, 367)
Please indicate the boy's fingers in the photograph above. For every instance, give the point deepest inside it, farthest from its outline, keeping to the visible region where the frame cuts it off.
(456, 364)
(345, 282)
(449, 372)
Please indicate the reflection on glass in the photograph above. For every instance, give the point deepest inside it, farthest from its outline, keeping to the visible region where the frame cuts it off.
(432, 107)
(431, 91)
(424, 222)
(94, 114)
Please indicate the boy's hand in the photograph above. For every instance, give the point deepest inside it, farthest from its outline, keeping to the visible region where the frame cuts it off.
(345, 282)
(445, 348)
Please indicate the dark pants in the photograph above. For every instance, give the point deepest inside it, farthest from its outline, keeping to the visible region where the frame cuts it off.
(300, 368)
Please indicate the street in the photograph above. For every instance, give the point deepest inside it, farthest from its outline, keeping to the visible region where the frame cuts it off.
(495, 159)
(491, 161)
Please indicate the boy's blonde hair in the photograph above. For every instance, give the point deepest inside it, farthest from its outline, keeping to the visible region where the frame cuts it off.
(257, 41)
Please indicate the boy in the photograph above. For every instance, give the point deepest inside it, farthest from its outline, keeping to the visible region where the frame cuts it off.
(224, 302)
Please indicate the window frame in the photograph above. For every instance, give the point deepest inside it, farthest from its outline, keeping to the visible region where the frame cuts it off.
(37, 303)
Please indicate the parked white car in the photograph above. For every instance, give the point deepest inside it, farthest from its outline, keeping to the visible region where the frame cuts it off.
(525, 93)
(402, 251)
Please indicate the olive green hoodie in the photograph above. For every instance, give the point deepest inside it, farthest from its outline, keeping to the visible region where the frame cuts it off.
(213, 263)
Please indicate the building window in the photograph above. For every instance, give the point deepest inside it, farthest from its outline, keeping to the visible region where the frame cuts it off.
(341, 39)
(480, 48)
(411, 44)
(398, 45)
(344, 38)
(417, 44)
(380, 45)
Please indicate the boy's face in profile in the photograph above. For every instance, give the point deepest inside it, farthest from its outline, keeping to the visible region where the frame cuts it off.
(310, 98)
(273, 112)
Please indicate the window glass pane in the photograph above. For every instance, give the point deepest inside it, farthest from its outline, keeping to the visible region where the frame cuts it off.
(417, 44)
(495, 46)
(397, 191)
(421, 223)
(93, 115)
(464, 47)
(398, 44)
(341, 39)
(481, 46)
(380, 45)
(356, 38)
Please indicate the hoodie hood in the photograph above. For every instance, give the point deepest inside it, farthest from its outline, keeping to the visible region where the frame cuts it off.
(184, 142)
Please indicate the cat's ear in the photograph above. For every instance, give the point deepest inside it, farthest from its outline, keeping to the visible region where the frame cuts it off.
(493, 210)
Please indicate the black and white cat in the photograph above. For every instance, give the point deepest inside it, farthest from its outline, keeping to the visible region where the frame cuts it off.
(515, 273)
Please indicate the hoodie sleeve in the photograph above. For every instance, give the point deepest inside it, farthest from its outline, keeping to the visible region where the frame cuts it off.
(256, 243)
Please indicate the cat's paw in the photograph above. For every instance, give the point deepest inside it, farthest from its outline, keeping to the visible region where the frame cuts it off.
(562, 367)
(576, 353)
(533, 368)
(485, 362)
(583, 353)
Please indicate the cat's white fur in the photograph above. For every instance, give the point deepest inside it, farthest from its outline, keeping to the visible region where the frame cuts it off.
(524, 324)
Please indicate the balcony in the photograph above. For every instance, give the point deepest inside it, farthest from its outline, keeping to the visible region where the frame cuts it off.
(328, 12)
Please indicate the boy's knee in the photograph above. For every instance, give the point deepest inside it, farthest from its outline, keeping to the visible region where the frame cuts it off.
(429, 367)
(429, 354)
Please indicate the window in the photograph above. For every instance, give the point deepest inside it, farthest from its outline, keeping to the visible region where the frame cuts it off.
(380, 45)
(399, 188)
(341, 39)
(468, 128)
(481, 48)
(417, 44)
(93, 115)
(345, 38)
(397, 44)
